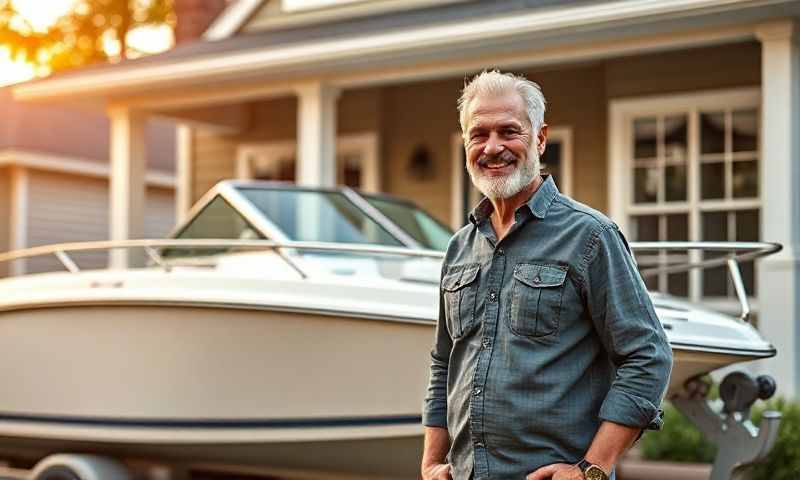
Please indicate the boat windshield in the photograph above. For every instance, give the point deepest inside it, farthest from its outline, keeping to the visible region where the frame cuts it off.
(425, 229)
(317, 216)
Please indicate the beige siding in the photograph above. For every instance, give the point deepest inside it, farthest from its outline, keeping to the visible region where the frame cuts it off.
(160, 214)
(709, 68)
(72, 208)
(66, 208)
(5, 215)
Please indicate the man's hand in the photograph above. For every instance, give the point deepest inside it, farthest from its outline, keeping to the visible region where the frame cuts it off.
(557, 471)
(439, 471)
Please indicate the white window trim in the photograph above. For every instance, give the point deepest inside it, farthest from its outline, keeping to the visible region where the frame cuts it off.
(366, 144)
(560, 134)
(621, 113)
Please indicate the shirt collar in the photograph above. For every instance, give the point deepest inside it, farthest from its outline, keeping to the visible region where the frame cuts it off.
(539, 203)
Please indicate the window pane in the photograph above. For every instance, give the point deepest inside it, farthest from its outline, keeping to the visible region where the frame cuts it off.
(217, 220)
(678, 284)
(712, 180)
(745, 131)
(748, 230)
(414, 221)
(645, 189)
(645, 228)
(676, 183)
(551, 160)
(644, 138)
(712, 132)
(678, 228)
(675, 137)
(715, 228)
(747, 226)
(305, 215)
(745, 179)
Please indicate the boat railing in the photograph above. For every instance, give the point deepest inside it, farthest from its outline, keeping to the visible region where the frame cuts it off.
(729, 254)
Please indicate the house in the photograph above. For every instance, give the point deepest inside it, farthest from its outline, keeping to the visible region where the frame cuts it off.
(679, 118)
(54, 180)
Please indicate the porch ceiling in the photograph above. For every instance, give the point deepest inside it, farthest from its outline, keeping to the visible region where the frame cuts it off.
(252, 66)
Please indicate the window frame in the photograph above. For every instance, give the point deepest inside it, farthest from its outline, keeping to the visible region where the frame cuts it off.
(364, 144)
(622, 112)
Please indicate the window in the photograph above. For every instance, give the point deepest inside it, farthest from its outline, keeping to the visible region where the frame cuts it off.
(218, 220)
(356, 161)
(686, 168)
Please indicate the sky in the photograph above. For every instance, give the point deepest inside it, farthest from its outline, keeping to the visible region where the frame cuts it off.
(43, 13)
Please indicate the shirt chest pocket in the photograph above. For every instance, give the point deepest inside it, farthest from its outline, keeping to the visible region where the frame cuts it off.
(536, 299)
(460, 290)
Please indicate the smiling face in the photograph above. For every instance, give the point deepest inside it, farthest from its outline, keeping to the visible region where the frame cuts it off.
(501, 156)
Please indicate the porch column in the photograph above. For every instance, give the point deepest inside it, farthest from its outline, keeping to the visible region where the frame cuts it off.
(316, 134)
(779, 275)
(127, 183)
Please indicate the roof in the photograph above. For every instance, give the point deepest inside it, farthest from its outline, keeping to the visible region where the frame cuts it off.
(435, 33)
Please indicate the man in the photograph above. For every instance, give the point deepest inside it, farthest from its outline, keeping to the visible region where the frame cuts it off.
(549, 359)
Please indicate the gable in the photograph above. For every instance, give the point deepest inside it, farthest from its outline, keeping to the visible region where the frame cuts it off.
(262, 15)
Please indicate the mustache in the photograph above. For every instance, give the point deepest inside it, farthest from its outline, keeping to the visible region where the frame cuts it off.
(502, 157)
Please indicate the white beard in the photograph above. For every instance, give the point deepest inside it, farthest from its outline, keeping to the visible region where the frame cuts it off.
(506, 186)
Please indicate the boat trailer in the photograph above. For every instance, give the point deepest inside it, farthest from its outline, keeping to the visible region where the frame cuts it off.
(739, 442)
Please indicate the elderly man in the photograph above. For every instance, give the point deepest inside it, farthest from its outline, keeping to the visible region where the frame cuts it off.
(549, 359)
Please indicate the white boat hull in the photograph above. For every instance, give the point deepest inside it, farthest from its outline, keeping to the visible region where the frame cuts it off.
(167, 382)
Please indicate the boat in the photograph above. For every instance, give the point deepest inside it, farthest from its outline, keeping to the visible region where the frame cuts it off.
(280, 329)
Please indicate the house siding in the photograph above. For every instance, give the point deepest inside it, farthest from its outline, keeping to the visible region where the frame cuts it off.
(72, 208)
(5, 216)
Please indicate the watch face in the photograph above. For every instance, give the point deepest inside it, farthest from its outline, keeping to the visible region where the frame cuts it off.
(595, 473)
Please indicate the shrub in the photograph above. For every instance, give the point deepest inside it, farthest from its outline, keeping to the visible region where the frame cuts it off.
(678, 440)
(783, 462)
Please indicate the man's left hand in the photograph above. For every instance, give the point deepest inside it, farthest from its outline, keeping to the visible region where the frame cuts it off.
(557, 471)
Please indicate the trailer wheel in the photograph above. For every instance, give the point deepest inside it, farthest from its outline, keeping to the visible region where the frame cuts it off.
(79, 467)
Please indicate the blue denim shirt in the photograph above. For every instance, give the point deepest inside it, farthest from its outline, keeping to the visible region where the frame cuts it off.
(541, 337)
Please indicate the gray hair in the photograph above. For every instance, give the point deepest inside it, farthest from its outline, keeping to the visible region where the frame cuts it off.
(493, 82)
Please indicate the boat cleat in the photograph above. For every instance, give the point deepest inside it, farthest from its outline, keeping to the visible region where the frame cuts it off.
(739, 442)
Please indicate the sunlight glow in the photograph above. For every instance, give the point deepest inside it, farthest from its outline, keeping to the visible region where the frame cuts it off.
(14, 70)
(42, 13)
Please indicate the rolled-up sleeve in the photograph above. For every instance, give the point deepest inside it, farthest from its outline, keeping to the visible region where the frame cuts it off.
(626, 322)
(434, 411)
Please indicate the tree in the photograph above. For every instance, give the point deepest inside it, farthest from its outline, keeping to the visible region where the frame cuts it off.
(93, 31)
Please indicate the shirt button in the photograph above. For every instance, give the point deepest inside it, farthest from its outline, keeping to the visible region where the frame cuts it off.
(492, 296)
(477, 391)
(486, 343)
(501, 252)
(538, 279)
(479, 444)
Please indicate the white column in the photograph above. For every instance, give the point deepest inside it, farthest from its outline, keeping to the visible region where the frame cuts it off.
(316, 134)
(183, 156)
(127, 203)
(779, 275)
(19, 216)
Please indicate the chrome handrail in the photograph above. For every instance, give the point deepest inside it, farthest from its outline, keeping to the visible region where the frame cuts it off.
(737, 252)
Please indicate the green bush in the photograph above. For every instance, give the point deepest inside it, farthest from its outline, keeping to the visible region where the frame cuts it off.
(783, 462)
(680, 441)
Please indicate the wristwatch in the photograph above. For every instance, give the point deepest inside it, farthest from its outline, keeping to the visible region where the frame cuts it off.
(591, 471)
